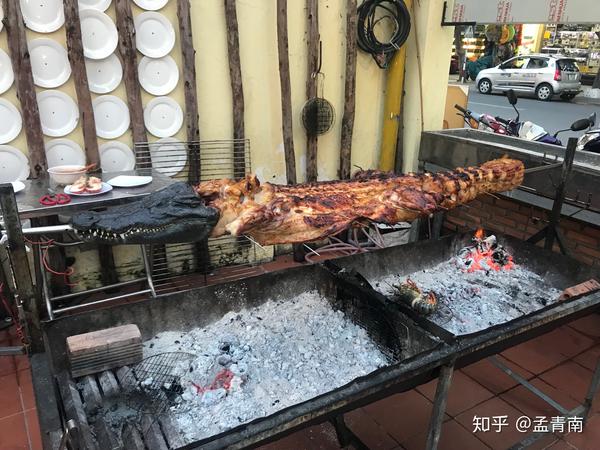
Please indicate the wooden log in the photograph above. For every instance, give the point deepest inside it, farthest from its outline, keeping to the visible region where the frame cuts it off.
(311, 83)
(84, 98)
(349, 90)
(74, 410)
(108, 383)
(188, 57)
(92, 398)
(152, 434)
(286, 92)
(132, 439)
(21, 62)
(171, 431)
(127, 50)
(235, 74)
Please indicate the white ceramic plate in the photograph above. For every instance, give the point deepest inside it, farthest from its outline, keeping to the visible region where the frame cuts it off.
(104, 75)
(169, 156)
(158, 76)
(10, 121)
(105, 188)
(43, 16)
(98, 33)
(116, 157)
(14, 165)
(154, 34)
(163, 117)
(6, 71)
(151, 5)
(100, 5)
(111, 115)
(58, 113)
(18, 186)
(64, 152)
(129, 181)
(49, 63)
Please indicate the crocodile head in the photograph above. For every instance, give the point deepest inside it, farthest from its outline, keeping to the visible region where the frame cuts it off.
(173, 214)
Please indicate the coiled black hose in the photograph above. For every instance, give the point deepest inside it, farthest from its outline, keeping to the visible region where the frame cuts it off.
(370, 13)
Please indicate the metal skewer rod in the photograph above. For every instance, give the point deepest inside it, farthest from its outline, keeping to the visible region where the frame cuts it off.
(45, 230)
(546, 167)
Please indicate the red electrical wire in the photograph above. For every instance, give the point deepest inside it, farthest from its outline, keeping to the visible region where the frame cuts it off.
(9, 310)
(66, 274)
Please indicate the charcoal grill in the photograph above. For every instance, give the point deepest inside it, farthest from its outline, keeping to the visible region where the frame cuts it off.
(367, 269)
(396, 335)
(418, 350)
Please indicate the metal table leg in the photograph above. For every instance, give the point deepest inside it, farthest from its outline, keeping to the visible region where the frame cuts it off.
(345, 435)
(439, 406)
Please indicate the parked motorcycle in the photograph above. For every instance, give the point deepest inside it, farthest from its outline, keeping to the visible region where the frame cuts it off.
(529, 130)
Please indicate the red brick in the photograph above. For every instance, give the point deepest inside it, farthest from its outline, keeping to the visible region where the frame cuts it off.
(588, 325)
(572, 225)
(454, 436)
(509, 205)
(591, 231)
(505, 221)
(492, 378)
(455, 221)
(535, 355)
(570, 378)
(369, 431)
(581, 237)
(490, 408)
(464, 393)
(589, 439)
(593, 252)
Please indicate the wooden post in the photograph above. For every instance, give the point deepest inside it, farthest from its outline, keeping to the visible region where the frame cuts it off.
(311, 83)
(84, 98)
(286, 92)
(21, 62)
(25, 292)
(127, 49)
(349, 88)
(235, 73)
(188, 56)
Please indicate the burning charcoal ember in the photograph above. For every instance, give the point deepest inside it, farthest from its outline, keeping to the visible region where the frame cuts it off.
(252, 363)
(410, 294)
(480, 287)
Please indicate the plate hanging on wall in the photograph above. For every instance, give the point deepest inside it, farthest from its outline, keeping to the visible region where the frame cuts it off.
(43, 16)
(111, 115)
(163, 117)
(154, 34)
(100, 5)
(10, 121)
(7, 77)
(169, 156)
(14, 165)
(104, 75)
(158, 76)
(64, 152)
(58, 113)
(151, 5)
(49, 63)
(116, 157)
(98, 34)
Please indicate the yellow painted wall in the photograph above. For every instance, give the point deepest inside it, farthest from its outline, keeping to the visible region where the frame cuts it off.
(258, 52)
(427, 66)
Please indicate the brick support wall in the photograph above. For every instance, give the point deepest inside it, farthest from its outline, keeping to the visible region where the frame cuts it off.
(502, 215)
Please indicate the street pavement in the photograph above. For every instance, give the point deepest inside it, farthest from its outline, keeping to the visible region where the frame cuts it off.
(553, 116)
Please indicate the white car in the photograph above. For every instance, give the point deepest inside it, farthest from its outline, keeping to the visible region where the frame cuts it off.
(539, 74)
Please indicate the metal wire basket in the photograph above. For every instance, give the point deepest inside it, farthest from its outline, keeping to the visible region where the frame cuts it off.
(318, 116)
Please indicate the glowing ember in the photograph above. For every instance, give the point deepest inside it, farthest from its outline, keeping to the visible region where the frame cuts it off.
(486, 254)
(222, 380)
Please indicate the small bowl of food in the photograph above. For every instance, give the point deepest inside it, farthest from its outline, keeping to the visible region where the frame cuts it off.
(63, 175)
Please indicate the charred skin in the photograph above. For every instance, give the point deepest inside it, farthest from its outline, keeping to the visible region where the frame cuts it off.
(278, 214)
(171, 215)
(411, 295)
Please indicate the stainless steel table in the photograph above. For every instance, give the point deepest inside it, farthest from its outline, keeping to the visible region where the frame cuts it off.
(28, 200)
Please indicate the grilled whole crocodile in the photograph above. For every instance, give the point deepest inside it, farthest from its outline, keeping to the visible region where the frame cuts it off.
(277, 214)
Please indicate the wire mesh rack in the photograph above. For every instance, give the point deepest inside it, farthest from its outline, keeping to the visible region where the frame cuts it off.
(196, 161)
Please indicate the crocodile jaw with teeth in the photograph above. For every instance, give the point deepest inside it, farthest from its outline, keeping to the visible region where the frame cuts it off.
(174, 214)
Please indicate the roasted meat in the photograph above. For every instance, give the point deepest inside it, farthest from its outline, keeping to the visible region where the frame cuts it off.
(276, 214)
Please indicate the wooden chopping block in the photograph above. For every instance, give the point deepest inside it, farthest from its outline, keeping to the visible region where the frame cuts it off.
(105, 349)
(580, 290)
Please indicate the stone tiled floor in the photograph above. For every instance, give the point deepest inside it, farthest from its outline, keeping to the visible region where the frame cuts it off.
(560, 363)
